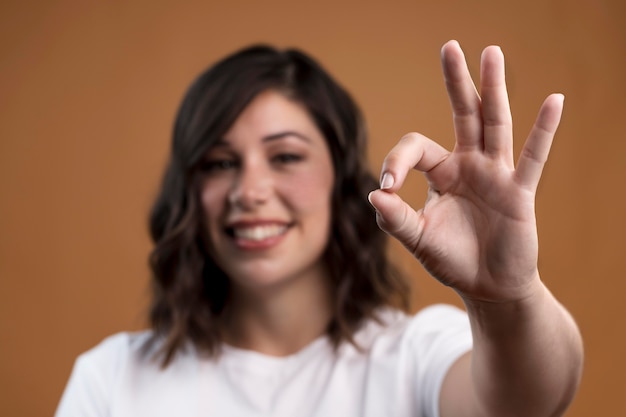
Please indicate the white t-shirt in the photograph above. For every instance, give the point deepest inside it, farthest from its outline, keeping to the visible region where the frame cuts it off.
(398, 373)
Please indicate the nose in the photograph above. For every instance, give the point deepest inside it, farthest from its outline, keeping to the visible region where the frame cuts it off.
(252, 186)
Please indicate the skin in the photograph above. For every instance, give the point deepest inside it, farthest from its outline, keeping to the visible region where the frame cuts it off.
(266, 198)
(477, 233)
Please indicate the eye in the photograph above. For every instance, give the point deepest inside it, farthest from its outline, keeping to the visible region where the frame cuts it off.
(216, 165)
(287, 158)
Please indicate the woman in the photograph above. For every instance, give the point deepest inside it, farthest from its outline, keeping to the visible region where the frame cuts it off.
(272, 293)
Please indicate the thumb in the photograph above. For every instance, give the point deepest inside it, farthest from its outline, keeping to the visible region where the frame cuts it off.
(397, 218)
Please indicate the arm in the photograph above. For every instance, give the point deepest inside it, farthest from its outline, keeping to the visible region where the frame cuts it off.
(526, 361)
(477, 234)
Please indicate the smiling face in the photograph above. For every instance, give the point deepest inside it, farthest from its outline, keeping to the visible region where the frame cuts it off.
(266, 195)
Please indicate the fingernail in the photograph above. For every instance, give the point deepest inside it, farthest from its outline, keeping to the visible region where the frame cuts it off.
(386, 182)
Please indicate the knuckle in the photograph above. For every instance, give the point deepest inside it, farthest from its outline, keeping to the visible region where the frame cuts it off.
(392, 159)
(411, 138)
(463, 110)
(534, 155)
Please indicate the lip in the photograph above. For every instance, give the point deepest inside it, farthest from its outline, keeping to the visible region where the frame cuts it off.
(258, 234)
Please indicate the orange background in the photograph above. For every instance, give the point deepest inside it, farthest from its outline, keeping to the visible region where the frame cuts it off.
(88, 92)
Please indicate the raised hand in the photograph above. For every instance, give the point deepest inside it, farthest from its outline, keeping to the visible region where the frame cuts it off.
(477, 231)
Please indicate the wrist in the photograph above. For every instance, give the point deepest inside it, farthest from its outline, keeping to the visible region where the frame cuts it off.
(527, 304)
(511, 289)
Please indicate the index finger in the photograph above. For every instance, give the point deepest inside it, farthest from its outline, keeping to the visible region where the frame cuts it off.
(464, 99)
(413, 151)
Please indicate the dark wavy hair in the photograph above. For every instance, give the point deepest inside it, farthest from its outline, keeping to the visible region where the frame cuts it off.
(190, 292)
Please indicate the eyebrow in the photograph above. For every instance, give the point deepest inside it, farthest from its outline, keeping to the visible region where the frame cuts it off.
(273, 136)
(284, 134)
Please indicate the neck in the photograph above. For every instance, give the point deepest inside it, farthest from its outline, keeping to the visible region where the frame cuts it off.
(280, 320)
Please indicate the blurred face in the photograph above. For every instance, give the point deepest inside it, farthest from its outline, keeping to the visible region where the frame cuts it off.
(266, 195)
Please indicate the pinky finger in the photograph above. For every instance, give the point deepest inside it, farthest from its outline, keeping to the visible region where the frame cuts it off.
(537, 147)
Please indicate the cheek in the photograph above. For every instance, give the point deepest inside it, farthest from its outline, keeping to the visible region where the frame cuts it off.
(311, 193)
(212, 198)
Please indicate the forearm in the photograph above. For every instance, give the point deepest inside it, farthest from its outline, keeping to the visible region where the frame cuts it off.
(527, 357)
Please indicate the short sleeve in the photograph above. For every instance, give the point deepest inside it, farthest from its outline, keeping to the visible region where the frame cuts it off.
(440, 334)
(88, 391)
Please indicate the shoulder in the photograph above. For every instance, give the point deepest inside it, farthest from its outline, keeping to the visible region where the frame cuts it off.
(408, 355)
(439, 319)
(427, 342)
(102, 364)
(115, 349)
(440, 334)
(96, 372)
(420, 328)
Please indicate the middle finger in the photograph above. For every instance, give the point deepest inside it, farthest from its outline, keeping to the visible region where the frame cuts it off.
(496, 113)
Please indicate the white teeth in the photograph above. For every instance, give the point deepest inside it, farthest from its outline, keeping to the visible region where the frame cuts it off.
(258, 233)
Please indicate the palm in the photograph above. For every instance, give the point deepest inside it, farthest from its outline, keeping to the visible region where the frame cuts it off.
(477, 230)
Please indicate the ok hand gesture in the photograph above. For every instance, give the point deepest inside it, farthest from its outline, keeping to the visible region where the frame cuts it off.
(477, 230)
